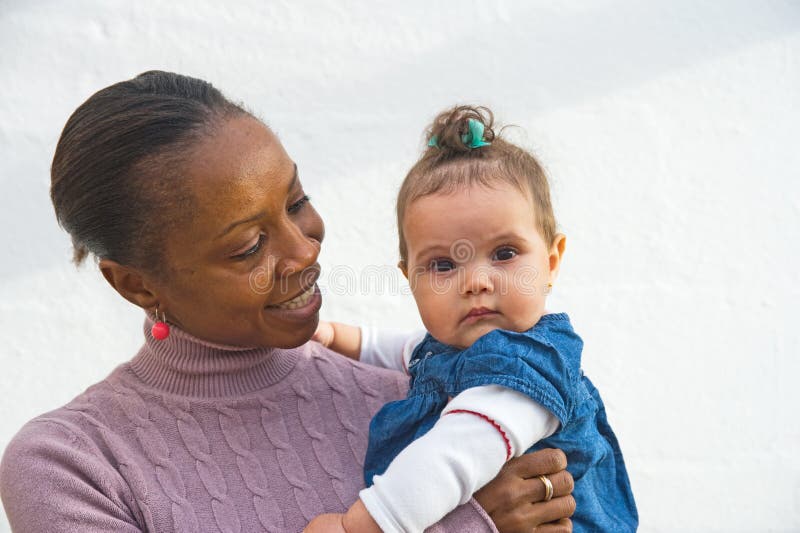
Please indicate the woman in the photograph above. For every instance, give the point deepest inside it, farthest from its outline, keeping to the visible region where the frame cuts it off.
(234, 421)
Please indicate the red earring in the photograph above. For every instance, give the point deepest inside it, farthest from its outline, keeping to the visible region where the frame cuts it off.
(160, 329)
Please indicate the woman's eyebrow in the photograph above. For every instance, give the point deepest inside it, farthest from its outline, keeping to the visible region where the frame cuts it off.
(258, 215)
(228, 229)
(295, 178)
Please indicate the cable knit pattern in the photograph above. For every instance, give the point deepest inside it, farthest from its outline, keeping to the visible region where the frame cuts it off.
(128, 467)
(344, 410)
(156, 450)
(275, 430)
(206, 467)
(253, 475)
(368, 386)
(208, 471)
(313, 423)
(195, 436)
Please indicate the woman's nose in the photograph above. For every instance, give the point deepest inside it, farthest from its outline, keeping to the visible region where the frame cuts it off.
(297, 252)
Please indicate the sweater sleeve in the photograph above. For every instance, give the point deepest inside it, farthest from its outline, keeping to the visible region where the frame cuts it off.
(53, 479)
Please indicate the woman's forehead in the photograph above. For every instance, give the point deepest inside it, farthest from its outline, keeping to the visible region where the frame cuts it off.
(242, 164)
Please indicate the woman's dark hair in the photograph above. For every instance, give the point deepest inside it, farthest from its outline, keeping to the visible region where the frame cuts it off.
(448, 164)
(116, 176)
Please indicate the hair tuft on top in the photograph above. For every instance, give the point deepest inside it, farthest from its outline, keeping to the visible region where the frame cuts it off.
(449, 127)
(449, 164)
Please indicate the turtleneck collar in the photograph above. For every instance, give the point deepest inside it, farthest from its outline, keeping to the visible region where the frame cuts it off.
(185, 365)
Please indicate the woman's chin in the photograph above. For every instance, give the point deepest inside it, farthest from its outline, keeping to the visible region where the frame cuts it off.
(300, 336)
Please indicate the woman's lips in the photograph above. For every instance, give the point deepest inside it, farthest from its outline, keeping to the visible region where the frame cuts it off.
(301, 307)
(478, 313)
(298, 301)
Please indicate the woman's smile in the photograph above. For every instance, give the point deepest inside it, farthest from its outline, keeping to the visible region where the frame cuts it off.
(301, 308)
(298, 301)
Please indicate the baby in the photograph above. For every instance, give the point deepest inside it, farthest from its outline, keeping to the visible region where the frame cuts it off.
(496, 375)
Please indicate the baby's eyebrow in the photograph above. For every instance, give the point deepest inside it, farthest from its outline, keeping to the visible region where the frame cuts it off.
(507, 236)
(433, 248)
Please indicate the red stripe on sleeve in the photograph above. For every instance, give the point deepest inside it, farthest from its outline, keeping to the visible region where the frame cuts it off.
(494, 424)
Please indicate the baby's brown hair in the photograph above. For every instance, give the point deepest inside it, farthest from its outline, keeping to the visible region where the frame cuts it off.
(449, 163)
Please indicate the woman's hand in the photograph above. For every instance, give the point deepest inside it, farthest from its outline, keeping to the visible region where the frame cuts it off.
(515, 498)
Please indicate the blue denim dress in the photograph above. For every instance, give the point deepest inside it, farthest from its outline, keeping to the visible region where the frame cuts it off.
(543, 363)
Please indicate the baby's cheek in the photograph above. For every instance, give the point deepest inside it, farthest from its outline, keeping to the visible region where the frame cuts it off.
(429, 314)
(526, 311)
(439, 328)
(440, 323)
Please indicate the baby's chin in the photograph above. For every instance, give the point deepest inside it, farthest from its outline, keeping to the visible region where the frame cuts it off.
(465, 339)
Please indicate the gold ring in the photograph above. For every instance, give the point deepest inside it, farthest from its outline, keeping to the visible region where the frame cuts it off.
(548, 488)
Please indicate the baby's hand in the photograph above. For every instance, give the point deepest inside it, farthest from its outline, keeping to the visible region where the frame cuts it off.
(326, 523)
(324, 334)
(358, 520)
(341, 338)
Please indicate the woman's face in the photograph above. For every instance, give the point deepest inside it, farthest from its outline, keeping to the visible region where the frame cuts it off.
(242, 270)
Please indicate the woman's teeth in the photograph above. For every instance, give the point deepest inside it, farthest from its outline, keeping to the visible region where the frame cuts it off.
(297, 301)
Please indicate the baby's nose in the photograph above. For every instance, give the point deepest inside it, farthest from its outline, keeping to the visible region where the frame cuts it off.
(477, 280)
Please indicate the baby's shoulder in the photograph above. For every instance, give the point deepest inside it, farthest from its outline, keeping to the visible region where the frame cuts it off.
(553, 332)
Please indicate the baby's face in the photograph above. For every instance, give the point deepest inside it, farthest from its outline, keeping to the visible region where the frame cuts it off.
(477, 262)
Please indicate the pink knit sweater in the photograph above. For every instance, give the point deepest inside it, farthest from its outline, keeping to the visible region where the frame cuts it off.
(191, 436)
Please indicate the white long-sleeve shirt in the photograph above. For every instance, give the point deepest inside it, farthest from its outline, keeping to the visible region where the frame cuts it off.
(484, 427)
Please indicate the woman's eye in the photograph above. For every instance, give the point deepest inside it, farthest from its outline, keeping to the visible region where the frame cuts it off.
(253, 250)
(442, 265)
(295, 207)
(505, 254)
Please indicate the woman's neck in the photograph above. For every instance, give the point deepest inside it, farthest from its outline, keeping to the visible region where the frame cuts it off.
(184, 365)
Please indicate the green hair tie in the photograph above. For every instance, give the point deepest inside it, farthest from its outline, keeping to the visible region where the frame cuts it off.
(473, 139)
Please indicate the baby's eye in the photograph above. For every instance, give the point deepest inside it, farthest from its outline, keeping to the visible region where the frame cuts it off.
(505, 253)
(442, 265)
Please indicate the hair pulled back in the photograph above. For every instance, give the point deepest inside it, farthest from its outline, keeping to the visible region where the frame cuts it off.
(115, 177)
(449, 164)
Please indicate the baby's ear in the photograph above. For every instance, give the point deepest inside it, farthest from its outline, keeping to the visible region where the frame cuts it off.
(557, 254)
(403, 268)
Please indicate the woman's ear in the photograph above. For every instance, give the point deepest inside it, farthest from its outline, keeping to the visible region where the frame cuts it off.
(556, 255)
(129, 283)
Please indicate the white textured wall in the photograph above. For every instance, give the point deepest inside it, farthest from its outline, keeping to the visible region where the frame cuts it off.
(670, 130)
